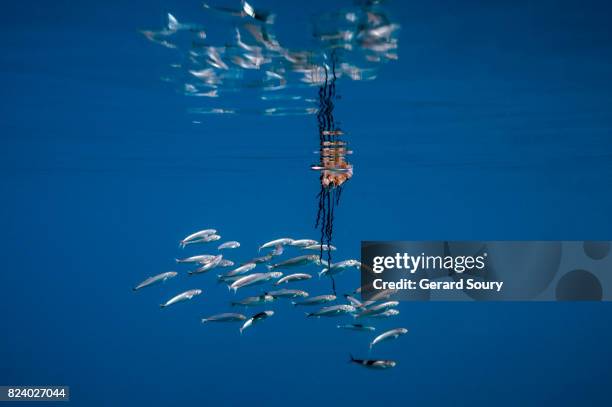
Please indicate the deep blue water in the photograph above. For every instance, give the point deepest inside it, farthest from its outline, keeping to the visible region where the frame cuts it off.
(495, 123)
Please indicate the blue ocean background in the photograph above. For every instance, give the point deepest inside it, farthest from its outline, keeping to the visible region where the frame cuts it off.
(495, 123)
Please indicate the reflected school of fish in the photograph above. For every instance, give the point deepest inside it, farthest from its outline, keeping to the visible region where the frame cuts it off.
(245, 275)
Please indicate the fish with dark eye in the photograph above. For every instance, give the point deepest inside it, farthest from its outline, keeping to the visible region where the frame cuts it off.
(337, 268)
(197, 236)
(225, 317)
(386, 314)
(252, 279)
(332, 311)
(187, 295)
(259, 260)
(260, 316)
(391, 334)
(296, 261)
(319, 299)
(253, 301)
(245, 268)
(277, 242)
(226, 263)
(378, 364)
(201, 258)
(354, 301)
(380, 295)
(293, 277)
(229, 245)
(319, 247)
(378, 309)
(208, 266)
(160, 278)
(288, 293)
(303, 243)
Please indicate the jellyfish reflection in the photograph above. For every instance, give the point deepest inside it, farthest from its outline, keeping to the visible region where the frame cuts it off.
(334, 168)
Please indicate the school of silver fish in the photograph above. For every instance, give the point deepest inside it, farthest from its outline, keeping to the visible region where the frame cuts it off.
(377, 307)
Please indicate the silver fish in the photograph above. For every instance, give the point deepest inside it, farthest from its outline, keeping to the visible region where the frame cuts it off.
(226, 317)
(391, 334)
(256, 278)
(303, 243)
(260, 316)
(259, 260)
(208, 266)
(229, 245)
(296, 261)
(197, 235)
(380, 295)
(386, 314)
(155, 279)
(354, 301)
(277, 242)
(187, 295)
(374, 363)
(202, 259)
(226, 263)
(319, 299)
(319, 247)
(206, 239)
(378, 309)
(245, 268)
(332, 311)
(293, 277)
(288, 293)
(337, 268)
(252, 301)
(357, 327)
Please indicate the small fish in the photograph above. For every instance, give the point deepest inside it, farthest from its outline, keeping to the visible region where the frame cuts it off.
(202, 259)
(226, 317)
(293, 277)
(303, 243)
(205, 239)
(155, 279)
(197, 235)
(256, 318)
(245, 268)
(259, 260)
(380, 295)
(288, 293)
(354, 301)
(319, 247)
(229, 245)
(252, 279)
(252, 301)
(332, 311)
(357, 327)
(319, 299)
(187, 295)
(226, 263)
(374, 363)
(277, 242)
(391, 334)
(337, 268)
(208, 266)
(378, 309)
(386, 314)
(296, 261)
